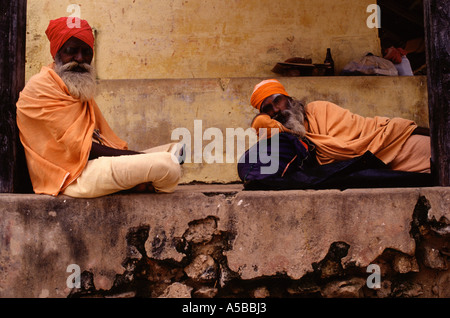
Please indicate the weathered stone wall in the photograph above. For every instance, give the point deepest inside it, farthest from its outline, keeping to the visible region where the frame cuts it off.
(219, 241)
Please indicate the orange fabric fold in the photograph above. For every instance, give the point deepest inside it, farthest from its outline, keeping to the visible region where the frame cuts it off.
(339, 134)
(56, 131)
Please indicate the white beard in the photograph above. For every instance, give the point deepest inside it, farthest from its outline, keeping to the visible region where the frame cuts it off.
(81, 85)
(293, 118)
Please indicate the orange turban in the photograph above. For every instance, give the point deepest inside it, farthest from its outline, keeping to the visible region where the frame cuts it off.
(265, 89)
(62, 29)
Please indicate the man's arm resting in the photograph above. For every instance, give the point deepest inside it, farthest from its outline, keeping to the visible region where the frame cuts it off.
(98, 150)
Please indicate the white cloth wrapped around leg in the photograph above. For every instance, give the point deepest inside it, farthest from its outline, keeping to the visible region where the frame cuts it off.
(106, 175)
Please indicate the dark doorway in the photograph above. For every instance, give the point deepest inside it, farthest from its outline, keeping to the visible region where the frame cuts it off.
(402, 26)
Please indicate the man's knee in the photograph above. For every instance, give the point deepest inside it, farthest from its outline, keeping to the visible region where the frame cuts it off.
(169, 167)
(167, 173)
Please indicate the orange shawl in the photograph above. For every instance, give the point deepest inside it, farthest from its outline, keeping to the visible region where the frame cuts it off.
(56, 132)
(339, 134)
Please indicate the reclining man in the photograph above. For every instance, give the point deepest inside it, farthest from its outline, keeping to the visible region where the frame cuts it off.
(333, 135)
(70, 148)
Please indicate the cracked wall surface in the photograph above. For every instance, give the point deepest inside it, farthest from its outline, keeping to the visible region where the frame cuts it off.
(220, 241)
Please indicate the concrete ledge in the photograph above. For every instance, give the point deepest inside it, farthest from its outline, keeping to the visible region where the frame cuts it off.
(204, 240)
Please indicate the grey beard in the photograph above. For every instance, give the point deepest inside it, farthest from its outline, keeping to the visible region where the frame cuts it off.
(293, 118)
(81, 85)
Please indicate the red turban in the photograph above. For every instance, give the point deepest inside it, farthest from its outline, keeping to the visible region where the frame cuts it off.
(62, 29)
(265, 89)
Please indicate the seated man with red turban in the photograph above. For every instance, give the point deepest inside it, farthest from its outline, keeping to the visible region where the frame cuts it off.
(333, 135)
(70, 148)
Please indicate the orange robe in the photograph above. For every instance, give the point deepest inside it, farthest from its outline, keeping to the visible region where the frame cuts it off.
(339, 134)
(56, 132)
